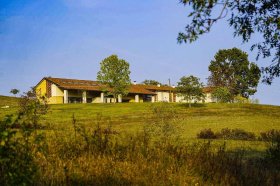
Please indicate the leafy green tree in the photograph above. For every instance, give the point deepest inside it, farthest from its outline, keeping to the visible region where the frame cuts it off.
(241, 99)
(222, 95)
(231, 69)
(190, 88)
(114, 73)
(14, 91)
(247, 18)
(151, 82)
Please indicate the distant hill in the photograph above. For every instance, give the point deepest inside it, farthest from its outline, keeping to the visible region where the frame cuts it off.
(8, 101)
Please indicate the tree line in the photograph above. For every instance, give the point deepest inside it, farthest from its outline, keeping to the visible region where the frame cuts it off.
(232, 76)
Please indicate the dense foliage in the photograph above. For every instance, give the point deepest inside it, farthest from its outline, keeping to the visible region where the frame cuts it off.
(222, 95)
(114, 73)
(151, 82)
(190, 88)
(19, 141)
(231, 69)
(247, 18)
(14, 91)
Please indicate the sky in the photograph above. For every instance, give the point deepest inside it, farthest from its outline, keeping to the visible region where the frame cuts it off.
(69, 39)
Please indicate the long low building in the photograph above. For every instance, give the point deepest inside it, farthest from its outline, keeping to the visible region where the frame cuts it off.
(61, 90)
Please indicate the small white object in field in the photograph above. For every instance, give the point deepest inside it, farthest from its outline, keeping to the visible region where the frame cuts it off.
(5, 107)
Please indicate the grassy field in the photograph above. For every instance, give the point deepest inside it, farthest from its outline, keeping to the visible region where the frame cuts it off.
(142, 146)
(130, 117)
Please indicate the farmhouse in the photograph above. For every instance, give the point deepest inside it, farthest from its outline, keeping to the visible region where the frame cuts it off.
(61, 90)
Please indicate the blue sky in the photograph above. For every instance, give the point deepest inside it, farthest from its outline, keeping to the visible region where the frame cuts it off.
(69, 38)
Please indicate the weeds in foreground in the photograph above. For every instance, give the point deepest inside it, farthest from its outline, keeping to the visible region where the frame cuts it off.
(18, 147)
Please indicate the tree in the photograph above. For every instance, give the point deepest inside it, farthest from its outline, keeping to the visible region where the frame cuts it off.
(151, 82)
(14, 91)
(114, 74)
(190, 88)
(247, 18)
(231, 69)
(222, 95)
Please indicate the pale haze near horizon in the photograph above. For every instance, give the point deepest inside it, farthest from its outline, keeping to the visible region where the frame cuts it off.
(68, 39)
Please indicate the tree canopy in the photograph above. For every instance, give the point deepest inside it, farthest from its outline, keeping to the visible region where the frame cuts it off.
(190, 88)
(231, 69)
(14, 91)
(246, 18)
(115, 74)
(151, 82)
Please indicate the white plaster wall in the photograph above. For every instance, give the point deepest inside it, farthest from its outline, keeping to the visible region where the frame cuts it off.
(163, 96)
(180, 99)
(96, 100)
(56, 91)
(208, 98)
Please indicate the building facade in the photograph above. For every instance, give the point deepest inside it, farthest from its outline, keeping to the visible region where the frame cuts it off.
(62, 91)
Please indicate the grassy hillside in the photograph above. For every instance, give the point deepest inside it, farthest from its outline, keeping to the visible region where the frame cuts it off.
(131, 116)
(7, 100)
(141, 146)
(12, 102)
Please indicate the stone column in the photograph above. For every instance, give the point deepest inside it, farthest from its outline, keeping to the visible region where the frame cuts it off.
(65, 96)
(119, 98)
(137, 98)
(102, 97)
(84, 96)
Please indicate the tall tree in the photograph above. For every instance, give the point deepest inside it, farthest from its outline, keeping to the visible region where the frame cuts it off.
(246, 18)
(231, 69)
(114, 73)
(190, 88)
(151, 82)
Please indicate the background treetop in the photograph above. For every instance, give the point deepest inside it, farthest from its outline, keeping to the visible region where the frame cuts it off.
(230, 68)
(151, 82)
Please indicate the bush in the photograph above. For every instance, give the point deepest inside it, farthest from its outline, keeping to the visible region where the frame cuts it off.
(272, 137)
(222, 95)
(229, 134)
(236, 134)
(206, 134)
(18, 146)
(241, 99)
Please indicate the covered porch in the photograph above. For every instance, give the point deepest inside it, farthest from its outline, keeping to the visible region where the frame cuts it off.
(83, 96)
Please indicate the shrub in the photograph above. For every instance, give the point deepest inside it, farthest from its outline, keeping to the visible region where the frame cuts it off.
(229, 134)
(18, 146)
(222, 95)
(236, 134)
(272, 137)
(241, 99)
(206, 134)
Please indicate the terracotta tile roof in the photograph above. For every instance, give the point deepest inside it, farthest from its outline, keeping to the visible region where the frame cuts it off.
(91, 85)
(208, 89)
(97, 86)
(139, 89)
